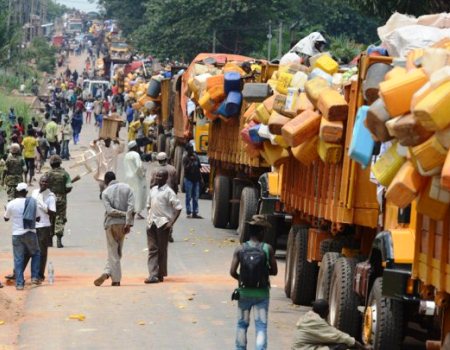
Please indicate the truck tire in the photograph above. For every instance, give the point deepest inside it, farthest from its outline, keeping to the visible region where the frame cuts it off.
(238, 186)
(178, 160)
(161, 143)
(383, 320)
(248, 208)
(304, 273)
(325, 273)
(221, 201)
(344, 314)
(289, 259)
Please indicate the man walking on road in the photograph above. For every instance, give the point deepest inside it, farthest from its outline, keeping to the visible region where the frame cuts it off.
(22, 212)
(164, 210)
(118, 200)
(135, 177)
(192, 180)
(60, 184)
(256, 261)
(46, 210)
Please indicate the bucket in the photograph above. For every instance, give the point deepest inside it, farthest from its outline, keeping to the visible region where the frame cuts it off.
(232, 82)
(154, 88)
(233, 103)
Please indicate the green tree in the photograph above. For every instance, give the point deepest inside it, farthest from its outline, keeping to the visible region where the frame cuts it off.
(385, 8)
(240, 25)
(55, 10)
(129, 13)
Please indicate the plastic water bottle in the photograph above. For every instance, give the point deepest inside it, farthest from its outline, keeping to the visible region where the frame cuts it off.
(51, 273)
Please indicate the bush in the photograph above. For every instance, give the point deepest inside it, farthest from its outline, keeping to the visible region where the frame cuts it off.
(344, 49)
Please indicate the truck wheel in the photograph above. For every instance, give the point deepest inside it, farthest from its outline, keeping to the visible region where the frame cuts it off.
(383, 320)
(161, 143)
(304, 273)
(178, 159)
(344, 314)
(248, 207)
(325, 273)
(289, 261)
(221, 201)
(238, 186)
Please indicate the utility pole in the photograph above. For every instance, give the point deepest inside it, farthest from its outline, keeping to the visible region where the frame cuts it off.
(269, 36)
(280, 39)
(214, 42)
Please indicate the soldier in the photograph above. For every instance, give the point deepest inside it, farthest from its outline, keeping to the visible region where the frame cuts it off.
(14, 168)
(60, 184)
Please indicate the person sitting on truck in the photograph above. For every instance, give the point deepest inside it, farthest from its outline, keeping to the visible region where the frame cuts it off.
(315, 333)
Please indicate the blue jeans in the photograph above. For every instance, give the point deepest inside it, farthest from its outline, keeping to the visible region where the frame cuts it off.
(65, 150)
(261, 311)
(192, 193)
(76, 137)
(22, 245)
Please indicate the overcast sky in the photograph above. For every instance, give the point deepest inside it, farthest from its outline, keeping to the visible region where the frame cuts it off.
(83, 5)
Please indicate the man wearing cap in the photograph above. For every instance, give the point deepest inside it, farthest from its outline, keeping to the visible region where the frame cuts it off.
(135, 176)
(253, 297)
(164, 208)
(22, 212)
(14, 169)
(314, 333)
(172, 181)
(60, 184)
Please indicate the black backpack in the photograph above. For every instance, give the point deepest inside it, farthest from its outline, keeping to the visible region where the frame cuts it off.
(254, 267)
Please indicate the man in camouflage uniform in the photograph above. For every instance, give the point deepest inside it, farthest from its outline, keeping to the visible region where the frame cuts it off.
(60, 184)
(13, 174)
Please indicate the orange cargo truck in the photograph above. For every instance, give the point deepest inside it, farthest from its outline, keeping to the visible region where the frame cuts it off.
(378, 254)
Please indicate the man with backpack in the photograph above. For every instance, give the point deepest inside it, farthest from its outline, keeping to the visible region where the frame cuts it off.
(256, 261)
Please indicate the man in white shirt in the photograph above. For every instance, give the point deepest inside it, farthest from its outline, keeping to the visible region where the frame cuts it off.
(46, 209)
(164, 208)
(22, 212)
(135, 173)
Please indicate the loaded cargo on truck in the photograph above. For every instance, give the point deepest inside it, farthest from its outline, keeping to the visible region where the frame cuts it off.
(361, 164)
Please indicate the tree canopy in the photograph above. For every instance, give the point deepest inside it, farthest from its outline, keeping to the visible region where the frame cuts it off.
(179, 29)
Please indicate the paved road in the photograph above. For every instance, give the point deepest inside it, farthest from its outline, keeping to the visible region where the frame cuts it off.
(190, 310)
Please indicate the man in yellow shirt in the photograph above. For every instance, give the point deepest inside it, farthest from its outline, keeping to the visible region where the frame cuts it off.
(29, 144)
(51, 133)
